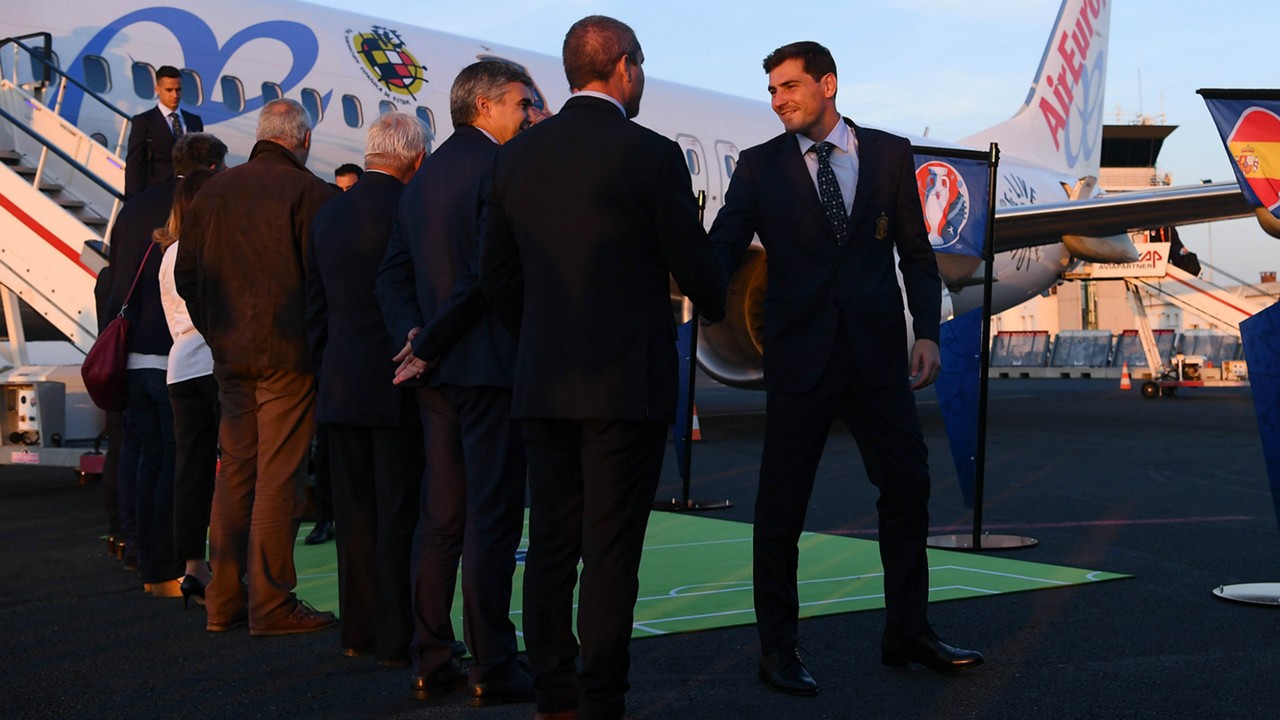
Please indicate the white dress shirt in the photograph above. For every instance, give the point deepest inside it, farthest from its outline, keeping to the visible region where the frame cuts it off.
(844, 160)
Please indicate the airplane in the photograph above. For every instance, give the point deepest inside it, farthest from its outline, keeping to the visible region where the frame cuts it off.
(346, 67)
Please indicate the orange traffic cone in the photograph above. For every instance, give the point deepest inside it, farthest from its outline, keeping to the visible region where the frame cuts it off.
(1124, 376)
(695, 433)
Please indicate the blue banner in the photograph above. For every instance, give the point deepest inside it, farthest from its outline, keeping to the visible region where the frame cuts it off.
(1261, 335)
(957, 387)
(1250, 130)
(681, 429)
(953, 195)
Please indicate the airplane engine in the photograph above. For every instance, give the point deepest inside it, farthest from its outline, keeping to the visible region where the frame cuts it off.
(732, 351)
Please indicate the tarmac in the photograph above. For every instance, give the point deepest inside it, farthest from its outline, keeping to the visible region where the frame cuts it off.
(1172, 491)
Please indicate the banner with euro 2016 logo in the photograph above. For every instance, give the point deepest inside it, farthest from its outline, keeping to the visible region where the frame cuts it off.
(1249, 123)
(953, 195)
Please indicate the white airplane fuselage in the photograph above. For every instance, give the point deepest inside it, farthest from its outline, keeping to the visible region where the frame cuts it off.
(346, 67)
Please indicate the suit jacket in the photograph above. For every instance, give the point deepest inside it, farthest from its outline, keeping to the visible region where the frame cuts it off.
(131, 237)
(429, 278)
(241, 262)
(589, 216)
(149, 158)
(814, 281)
(349, 345)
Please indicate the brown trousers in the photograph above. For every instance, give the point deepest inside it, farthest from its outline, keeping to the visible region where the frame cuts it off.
(268, 421)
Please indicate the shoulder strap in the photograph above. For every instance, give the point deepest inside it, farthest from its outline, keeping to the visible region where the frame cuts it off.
(137, 275)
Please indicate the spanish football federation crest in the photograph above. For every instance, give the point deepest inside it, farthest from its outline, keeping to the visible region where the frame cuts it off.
(387, 63)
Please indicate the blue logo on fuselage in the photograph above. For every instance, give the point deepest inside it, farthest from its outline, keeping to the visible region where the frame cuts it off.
(201, 53)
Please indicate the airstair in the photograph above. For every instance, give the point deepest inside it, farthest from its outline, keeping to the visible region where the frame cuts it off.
(1154, 275)
(59, 191)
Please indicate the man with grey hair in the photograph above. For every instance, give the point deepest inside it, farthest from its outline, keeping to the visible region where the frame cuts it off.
(240, 269)
(461, 359)
(589, 217)
(372, 426)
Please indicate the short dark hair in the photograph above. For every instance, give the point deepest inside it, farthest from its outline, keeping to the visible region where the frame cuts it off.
(349, 169)
(814, 58)
(486, 78)
(197, 150)
(168, 71)
(592, 48)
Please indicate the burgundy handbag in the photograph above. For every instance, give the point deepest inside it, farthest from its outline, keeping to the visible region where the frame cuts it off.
(107, 364)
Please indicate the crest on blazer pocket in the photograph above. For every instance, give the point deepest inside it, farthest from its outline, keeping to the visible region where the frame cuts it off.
(882, 227)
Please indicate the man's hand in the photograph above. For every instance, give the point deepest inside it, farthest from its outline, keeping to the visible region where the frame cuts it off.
(410, 368)
(926, 362)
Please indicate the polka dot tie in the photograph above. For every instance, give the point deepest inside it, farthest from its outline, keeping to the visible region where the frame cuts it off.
(176, 122)
(829, 191)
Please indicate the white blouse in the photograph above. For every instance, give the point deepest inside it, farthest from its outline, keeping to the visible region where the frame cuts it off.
(190, 357)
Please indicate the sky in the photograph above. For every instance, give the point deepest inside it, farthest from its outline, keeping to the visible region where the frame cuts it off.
(951, 66)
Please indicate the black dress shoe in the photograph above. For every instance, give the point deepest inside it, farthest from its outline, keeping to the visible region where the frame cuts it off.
(785, 672)
(929, 651)
(446, 678)
(511, 686)
(321, 533)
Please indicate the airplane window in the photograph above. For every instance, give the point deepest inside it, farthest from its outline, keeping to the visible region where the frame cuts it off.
(691, 157)
(539, 101)
(97, 73)
(730, 164)
(311, 101)
(144, 80)
(428, 118)
(271, 91)
(232, 93)
(386, 106)
(99, 137)
(192, 87)
(351, 111)
(38, 68)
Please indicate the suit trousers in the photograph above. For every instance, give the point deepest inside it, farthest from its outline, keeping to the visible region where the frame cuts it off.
(265, 434)
(375, 475)
(150, 419)
(195, 436)
(591, 488)
(882, 418)
(472, 507)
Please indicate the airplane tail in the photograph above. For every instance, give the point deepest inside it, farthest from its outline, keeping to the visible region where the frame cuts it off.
(1060, 124)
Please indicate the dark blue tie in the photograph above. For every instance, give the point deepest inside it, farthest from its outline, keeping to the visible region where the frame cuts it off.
(829, 191)
(176, 122)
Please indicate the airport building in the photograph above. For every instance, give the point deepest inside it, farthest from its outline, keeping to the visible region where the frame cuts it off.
(1088, 327)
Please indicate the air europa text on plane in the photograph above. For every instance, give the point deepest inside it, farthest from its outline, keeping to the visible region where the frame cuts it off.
(1071, 61)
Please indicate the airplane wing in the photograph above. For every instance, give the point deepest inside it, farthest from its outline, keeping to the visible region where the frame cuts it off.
(1108, 215)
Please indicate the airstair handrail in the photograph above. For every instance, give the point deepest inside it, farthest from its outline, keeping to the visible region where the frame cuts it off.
(65, 157)
(50, 67)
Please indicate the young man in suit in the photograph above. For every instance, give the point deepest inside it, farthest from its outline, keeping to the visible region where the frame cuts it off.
(371, 426)
(473, 487)
(589, 216)
(148, 160)
(831, 201)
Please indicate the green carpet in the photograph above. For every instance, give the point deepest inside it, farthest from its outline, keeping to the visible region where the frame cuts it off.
(696, 575)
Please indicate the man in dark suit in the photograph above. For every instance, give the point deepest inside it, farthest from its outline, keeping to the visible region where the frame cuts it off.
(831, 201)
(371, 425)
(473, 488)
(589, 217)
(152, 134)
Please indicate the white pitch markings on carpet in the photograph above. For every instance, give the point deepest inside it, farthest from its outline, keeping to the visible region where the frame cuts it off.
(1002, 574)
(695, 544)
